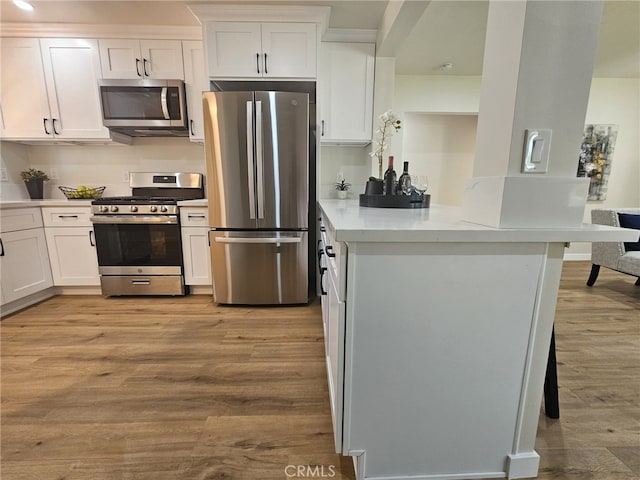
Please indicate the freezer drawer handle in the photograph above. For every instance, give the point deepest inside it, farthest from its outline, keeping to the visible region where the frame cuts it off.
(259, 240)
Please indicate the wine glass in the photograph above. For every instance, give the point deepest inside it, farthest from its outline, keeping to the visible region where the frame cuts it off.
(420, 183)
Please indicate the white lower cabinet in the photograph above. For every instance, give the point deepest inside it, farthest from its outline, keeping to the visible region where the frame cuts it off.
(24, 262)
(71, 244)
(332, 256)
(195, 245)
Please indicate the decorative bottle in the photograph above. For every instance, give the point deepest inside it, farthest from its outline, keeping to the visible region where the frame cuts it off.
(389, 181)
(404, 182)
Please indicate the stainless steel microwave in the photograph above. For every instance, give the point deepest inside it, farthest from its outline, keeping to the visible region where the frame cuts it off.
(143, 108)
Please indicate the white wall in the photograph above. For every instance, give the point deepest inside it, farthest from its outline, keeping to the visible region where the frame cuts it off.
(611, 101)
(101, 164)
(442, 148)
(15, 159)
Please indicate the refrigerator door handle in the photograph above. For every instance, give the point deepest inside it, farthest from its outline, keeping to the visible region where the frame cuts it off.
(259, 159)
(258, 240)
(250, 181)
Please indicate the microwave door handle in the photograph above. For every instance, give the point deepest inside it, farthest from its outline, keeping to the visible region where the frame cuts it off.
(250, 180)
(259, 159)
(163, 101)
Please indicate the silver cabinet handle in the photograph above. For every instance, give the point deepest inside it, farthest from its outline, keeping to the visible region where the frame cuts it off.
(191, 127)
(265, 64)
(258, 62)
(138, 67)
(322, 128)
(192, 215)
(67, 216)
(330, 252)
(53, 122)
(141, 282)
(250, 180)
(92, 238)
(44, 123)
(144, 67)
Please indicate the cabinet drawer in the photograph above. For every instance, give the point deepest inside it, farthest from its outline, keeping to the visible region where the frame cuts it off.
(194, 217)
(15, 219)
(66, 216)
(336, 257)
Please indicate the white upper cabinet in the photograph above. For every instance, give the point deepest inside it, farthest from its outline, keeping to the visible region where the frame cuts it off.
(196, 82)
(23, 93)
(130, 58)
(345, 96)
(261, 50)
(49, 89)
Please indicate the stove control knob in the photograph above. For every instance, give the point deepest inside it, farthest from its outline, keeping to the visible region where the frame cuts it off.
(133, 208)
(104, 208)
(114, 208)
(163, 209)
(153, 208)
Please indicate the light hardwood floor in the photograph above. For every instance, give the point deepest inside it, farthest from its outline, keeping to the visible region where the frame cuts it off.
(161, 388)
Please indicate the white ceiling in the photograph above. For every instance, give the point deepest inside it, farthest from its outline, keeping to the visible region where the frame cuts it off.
(449, 31)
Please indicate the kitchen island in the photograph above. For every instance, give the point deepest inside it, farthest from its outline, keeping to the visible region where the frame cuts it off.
(437, 334)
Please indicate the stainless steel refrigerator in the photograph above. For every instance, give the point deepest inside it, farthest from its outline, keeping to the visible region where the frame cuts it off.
(257, 153)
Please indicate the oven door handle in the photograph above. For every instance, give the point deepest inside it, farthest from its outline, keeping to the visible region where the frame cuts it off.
(142, 219)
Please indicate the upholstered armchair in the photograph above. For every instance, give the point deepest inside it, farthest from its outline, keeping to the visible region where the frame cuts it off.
(621, 256)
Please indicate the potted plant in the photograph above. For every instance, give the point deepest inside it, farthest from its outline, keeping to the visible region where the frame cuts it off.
(343, 189)
(387, 125)
(33, 180)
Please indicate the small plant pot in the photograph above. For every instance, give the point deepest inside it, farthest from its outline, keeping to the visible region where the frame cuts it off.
(35, 188)
(342, 194)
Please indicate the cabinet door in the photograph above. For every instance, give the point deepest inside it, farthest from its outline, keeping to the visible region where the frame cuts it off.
(73, 256)
(72, 70)
(23, 93)
(234, 49)
(162, 59)
(346, 92)
(196, 82)
(196, 253)
(120, 58)
(289, 50)
(336, 314)
(24, 264)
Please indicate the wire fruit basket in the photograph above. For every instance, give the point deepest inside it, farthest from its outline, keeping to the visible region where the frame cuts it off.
(82, 192)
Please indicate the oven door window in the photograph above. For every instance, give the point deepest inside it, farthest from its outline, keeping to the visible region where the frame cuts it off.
(138, 245)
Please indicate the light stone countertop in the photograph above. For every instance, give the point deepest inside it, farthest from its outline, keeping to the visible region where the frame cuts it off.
(60, 202)
(352, 223)
(201, 202)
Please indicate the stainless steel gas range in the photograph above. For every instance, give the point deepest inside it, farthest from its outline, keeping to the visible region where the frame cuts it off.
(138, 237)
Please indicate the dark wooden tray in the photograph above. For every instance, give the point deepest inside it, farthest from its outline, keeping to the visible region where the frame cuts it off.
(395, 201)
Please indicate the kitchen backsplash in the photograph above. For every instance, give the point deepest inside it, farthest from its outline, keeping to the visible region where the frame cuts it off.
(108, 165)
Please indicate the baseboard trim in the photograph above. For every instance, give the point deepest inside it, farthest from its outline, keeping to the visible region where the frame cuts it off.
(577, 257)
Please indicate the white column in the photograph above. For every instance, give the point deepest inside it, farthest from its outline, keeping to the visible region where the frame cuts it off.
(537, 72)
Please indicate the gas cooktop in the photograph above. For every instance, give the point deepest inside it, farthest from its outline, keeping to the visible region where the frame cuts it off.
(137, 200)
